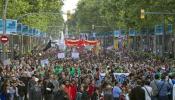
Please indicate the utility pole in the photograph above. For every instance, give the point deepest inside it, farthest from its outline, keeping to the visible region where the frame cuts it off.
(5, 3)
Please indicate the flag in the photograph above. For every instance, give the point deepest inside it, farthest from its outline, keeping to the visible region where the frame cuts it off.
(47, 46)
(72, 71)
(58, 70)
(79, 72)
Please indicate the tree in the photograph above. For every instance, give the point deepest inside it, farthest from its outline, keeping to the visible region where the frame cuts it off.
(39, 20)
(123, 14)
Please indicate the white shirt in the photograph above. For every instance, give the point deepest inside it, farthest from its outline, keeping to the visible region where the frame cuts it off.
(148, 92)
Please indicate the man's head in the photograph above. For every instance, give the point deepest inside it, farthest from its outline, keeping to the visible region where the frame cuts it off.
(156, 77)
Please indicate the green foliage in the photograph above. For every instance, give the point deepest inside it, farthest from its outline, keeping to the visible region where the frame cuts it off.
(122, 14)
(39, 18)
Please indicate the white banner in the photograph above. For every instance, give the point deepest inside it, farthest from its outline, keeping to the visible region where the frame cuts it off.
(121, 77)
(44, 62)
(6, 62)
(61, 55)
(102, 76)
(75, 55)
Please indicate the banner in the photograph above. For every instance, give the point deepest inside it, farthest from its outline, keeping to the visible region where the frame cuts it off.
(75, 55)
(120, 77)
(159, 30)
(6, 62)
(132, 32)
(11, 26)
(117, 33)
(1, 26)
(80, 43)
(170, 28)
(61, 55)
(37, 33)
(25, 29)
(94, 35)
(34, 32)
(102, 76)
(30, 31)
(123, 33)
(19, 28)
(44, 62)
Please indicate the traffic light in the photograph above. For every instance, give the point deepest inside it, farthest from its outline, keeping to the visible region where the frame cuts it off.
(142, 16)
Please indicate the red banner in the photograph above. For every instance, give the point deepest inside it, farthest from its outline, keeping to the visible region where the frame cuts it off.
(80, 43)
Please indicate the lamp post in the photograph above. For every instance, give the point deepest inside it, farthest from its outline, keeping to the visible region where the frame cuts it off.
(4, 25)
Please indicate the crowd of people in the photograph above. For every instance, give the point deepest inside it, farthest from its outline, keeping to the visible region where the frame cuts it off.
(80, 79)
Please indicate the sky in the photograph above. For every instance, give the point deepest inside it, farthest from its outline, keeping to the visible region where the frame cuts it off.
(69, 5)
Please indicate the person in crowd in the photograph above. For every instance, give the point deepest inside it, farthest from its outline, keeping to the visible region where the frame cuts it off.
(60, 94)
(55, 83)
(4, 91)
(155, 88)
(11, 91)
(165, 89)
(67, 88)
(80, 91)
(37, 91)
(25, 79)
(91, 87)
(148, 90)
(116, 91)
(108, 92)
(96, 94)
(48, 89)
(85, 95)
(31, 87)
(92, 74)
(21, 90)
(137, 93)
(73, 90)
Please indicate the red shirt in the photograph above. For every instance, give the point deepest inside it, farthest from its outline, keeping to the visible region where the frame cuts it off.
(91, 90)
(67, 90)
(73, 92)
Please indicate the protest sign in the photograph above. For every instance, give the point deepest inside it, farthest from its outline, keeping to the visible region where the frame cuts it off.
(75, 55)
(61, 55)
(102, 76)
(121, 77)
(44, 62)
(6, 62)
